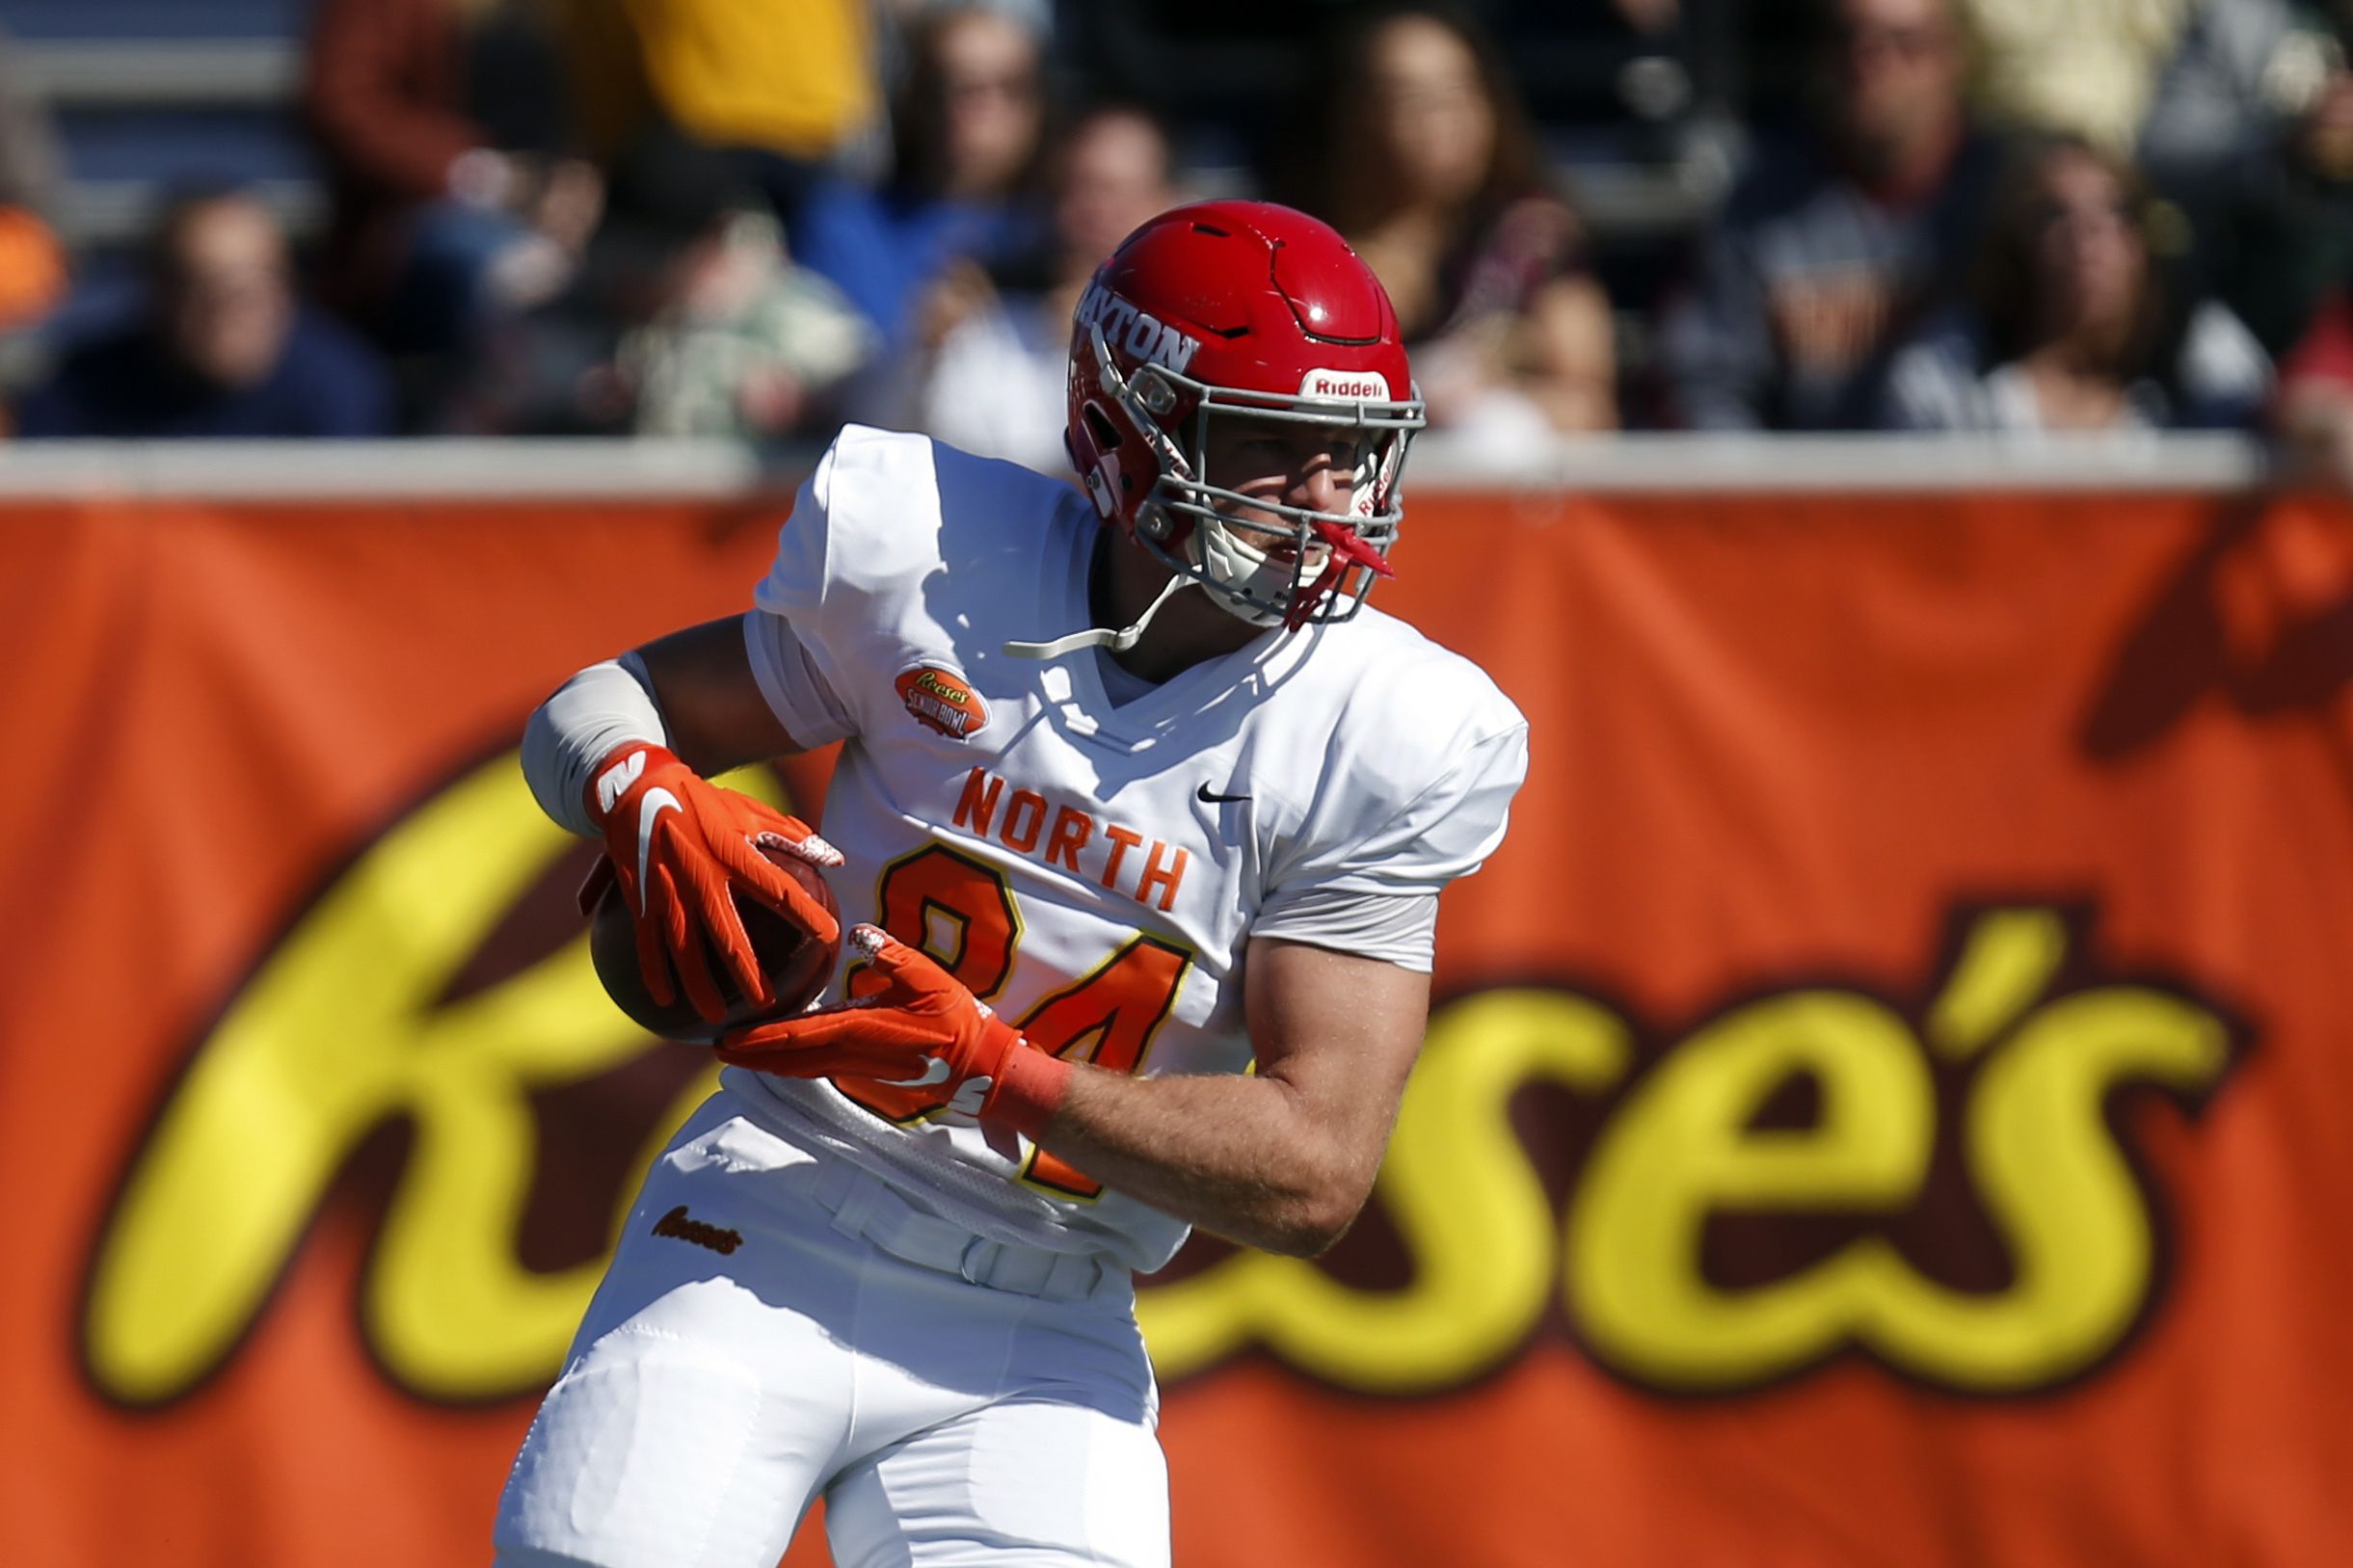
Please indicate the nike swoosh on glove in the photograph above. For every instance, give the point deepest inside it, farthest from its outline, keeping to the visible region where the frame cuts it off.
(919, 1028)
(678, 843)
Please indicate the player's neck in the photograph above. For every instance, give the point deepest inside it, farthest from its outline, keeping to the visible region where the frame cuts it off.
(1189, 629)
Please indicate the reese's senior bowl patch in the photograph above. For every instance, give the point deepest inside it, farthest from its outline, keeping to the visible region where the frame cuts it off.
(941, 698)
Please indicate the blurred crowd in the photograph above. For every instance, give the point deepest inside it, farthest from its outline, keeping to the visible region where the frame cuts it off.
(759, 220)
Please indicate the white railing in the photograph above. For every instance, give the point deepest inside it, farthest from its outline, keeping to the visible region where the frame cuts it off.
(652, 469)
(159, 73)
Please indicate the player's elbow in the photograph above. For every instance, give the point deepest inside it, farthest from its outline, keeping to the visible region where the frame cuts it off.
(1311, 1237)
(1316, 1218)
(1318, 1173)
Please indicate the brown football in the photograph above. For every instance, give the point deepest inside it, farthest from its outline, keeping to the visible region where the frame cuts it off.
(797, 964)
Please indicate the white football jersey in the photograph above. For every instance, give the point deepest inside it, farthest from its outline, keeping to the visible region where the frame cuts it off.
(1093, 872)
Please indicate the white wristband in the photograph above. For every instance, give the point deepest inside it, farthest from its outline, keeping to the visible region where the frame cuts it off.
(604, 705)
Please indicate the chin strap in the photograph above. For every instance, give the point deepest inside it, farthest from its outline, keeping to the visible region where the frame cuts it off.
(1118, 642)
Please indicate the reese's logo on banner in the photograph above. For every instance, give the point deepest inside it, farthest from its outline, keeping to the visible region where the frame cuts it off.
(1935, 1179)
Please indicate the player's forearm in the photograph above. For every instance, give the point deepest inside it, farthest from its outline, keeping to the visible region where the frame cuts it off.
(1236, 1156)
(603, 706)
(692, 691)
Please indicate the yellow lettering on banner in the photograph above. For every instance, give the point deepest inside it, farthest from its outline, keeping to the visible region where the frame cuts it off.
(1680, 1148)
(1464, 1197)
(2007, 961)
(337, 1033)
(2061, 1194)
(2040, 1154)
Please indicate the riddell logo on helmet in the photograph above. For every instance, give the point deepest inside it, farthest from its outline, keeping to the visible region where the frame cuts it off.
(942, 699)
(1353, 386)
(1143, 337)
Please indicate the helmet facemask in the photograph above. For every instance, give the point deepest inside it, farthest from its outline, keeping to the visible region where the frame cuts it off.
(1186, 520)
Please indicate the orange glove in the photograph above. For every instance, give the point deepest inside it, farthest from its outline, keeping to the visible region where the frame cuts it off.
(676, 842)
(920, 1028)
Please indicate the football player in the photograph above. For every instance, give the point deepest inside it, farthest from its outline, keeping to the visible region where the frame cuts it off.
(1135, 794)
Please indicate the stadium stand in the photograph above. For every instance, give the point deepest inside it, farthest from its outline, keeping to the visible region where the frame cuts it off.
(146, 92)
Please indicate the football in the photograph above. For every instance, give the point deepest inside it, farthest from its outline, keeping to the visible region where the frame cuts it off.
(797, 964)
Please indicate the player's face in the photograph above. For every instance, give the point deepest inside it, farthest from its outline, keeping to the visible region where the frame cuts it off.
(1284, 463)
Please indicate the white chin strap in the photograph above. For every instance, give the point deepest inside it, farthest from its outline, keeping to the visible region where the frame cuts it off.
(1118, 642)
(1241, 578)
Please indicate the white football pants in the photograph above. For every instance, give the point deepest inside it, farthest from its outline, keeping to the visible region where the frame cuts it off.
(749, 1349)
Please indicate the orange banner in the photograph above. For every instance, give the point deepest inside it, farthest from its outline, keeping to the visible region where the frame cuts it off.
(1885, 1101)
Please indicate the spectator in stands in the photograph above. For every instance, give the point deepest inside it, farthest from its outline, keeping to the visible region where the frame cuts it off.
(785, 87)
(29, 162)
(1833, 245)
(2253, 137)
(2240, 74)
(2069, 326)
(444, 125)
(2314, 415)
(32, 268)
(1428, 163)
(994, 357)
(2082, 68)
(224, 347)
(32, 262)
(689, 319)
(1623, 80)
(969, 124)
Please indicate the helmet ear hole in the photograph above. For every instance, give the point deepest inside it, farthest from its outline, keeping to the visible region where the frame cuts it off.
(1099, 426)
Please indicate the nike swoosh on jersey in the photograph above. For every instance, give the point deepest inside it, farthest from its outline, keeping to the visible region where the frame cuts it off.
(1210, 797)
(656, 803)
(935, 1073)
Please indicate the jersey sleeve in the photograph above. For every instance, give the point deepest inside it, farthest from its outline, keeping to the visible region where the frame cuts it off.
(860, 575)
(1400, 928)
(784, 632)
(1442, 830)
(798, 583)
(789, 675)
(1374, 891)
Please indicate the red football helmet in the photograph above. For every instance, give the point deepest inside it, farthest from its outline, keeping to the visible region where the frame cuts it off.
(1240, 310)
